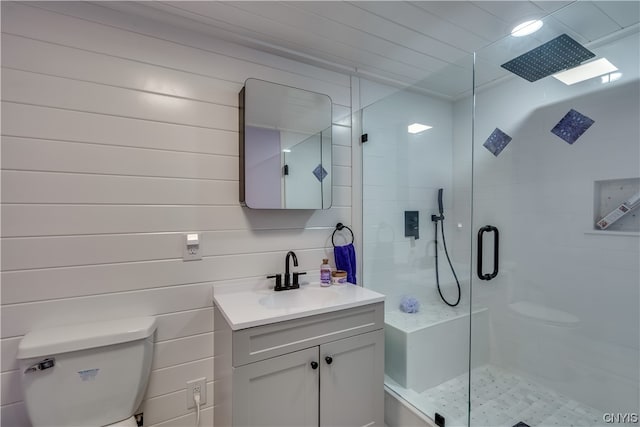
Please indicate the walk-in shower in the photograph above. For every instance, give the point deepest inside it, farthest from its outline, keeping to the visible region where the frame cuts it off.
(546, 331)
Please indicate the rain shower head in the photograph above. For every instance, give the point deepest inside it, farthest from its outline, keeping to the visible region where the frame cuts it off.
(559, 54)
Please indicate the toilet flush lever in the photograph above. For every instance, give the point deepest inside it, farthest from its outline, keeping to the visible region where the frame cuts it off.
(47, 363)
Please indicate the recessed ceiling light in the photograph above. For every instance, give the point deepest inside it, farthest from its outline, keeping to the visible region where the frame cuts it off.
(526, 28)
(417, 127)
(586, 71)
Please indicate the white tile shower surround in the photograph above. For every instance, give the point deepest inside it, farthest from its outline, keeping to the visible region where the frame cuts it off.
(500, 399)
(592, 277)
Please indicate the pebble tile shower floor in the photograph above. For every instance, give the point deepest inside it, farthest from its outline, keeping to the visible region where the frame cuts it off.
(500, 399)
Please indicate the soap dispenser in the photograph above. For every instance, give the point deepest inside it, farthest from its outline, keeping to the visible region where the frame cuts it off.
(325, 273)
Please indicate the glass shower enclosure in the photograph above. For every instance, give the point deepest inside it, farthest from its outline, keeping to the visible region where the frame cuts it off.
(547, 328)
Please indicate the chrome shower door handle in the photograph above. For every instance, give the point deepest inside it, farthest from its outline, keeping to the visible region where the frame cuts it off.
(496, 238)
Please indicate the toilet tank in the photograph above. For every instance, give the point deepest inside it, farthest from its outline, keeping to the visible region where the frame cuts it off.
(91, 374)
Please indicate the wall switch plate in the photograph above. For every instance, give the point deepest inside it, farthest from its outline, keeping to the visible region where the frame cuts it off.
(199, 384)
(191, 249)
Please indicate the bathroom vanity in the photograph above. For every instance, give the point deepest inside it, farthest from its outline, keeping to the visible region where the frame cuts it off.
(305, 357)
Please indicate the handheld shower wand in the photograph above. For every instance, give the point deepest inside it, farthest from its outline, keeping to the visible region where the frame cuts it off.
(436, 219)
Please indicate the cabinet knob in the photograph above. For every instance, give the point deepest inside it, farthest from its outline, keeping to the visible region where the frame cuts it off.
(314, 365)
(328, 359)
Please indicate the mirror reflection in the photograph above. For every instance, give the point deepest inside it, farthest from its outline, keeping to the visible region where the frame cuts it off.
(285, 147)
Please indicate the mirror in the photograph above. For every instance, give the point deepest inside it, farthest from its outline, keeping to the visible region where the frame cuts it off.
(285, 147)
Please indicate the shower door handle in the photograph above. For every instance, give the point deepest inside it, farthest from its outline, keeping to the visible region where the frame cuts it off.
(496, 236)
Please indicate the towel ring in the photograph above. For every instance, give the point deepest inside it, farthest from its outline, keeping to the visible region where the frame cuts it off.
(339, 227)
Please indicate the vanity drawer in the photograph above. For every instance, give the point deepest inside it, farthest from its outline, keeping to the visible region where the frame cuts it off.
(262, 342)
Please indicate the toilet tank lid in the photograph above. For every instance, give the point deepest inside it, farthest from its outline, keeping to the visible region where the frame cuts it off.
(63, 339)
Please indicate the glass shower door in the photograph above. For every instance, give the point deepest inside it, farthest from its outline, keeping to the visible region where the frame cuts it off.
(550, 161)
(414, 153)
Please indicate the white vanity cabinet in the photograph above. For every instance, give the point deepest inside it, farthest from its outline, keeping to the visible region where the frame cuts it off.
(322, 370)
(352, 386)
(281, 391)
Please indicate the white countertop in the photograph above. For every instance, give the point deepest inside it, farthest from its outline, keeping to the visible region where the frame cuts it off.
(246, 305)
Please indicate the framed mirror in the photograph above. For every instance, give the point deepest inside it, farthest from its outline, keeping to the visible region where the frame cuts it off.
(285, 147)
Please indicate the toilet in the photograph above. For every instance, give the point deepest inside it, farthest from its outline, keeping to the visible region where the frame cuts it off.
(93, 374)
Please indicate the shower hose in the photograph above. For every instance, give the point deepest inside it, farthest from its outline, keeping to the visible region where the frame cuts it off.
(444, 243)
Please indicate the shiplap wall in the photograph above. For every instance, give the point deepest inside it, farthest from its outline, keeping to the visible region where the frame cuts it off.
(119, 134)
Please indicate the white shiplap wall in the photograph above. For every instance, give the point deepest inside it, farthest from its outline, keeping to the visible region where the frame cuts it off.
(119, 134)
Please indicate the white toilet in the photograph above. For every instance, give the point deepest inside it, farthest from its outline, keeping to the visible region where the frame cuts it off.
(94, 374)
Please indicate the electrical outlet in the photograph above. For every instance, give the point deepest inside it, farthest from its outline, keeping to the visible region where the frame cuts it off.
(193, 387)
(191, 249)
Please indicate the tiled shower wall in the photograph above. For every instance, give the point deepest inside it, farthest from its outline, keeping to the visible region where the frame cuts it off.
(539, 193)
(120, 134)
(403, 172)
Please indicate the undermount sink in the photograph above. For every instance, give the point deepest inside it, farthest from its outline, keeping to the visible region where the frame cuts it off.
(316, 296)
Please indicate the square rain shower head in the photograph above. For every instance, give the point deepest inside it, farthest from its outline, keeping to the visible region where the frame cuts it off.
(559, 54)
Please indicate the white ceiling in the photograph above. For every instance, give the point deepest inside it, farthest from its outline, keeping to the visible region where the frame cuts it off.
(423, 43)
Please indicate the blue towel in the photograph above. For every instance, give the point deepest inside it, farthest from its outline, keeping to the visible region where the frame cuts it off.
(409, 305)
(345, 257)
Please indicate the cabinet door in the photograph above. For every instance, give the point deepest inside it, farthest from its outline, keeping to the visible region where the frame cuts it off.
(352, 384)
(281, 391)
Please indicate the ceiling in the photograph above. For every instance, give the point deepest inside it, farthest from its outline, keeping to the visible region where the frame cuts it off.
(428, 44)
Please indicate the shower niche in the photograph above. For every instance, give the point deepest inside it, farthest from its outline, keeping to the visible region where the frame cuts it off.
(608, 195)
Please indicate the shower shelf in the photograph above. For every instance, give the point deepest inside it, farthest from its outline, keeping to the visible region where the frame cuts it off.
(608, 194)
(613, 233)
